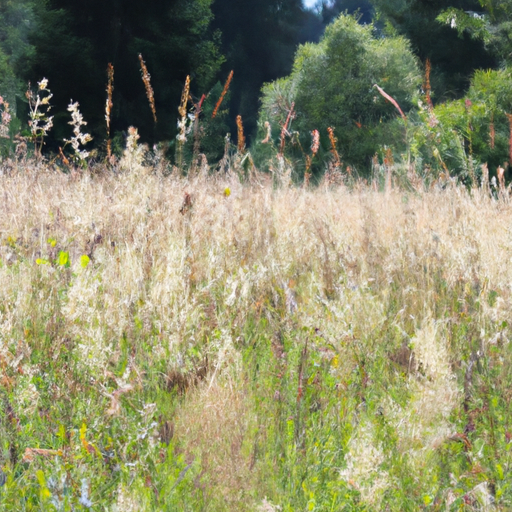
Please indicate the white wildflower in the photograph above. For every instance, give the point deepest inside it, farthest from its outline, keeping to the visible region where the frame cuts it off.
(79, 138)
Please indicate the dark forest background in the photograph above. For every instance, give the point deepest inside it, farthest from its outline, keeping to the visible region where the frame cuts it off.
(71, 44)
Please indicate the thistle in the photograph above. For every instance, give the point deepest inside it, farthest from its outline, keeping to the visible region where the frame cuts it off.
(146, 78)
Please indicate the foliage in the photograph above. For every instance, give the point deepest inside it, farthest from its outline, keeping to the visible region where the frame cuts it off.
(461, 134)
(454, 57)
(493, 25)
(332, 86)
(17, 21)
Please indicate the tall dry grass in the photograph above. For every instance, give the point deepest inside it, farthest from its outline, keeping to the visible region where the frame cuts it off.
(296, 347)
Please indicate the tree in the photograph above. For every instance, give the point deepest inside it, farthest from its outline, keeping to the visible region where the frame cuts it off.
(331, 85)
(454, 57)
(17, 20)
(76, 41)
(492, 25)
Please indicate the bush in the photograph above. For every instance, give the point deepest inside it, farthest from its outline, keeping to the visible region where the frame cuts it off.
(332, 86)
(462, 134)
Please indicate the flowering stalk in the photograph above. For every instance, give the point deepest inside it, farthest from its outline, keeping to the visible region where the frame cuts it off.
(241, 136)
(315, 146)
(428, 88)
(501, 178)
(146, 78)
(79, 138)
(267, 139)
(183, 130)
(224, 92)
(492, 131)
(109, 105)
(392, 100)
(40, 123)
(509, 117)
(334, 151)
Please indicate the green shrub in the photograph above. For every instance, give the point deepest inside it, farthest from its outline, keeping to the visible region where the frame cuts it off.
(464, 133)
(332, 86)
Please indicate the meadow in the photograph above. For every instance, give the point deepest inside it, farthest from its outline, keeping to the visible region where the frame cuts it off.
(220, 344)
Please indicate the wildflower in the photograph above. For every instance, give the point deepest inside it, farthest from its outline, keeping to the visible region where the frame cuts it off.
(241, 136)
(79, 138)
(40, 123)
(43, 84)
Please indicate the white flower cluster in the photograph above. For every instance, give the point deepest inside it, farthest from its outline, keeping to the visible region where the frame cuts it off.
(79, 138)
(40, 123)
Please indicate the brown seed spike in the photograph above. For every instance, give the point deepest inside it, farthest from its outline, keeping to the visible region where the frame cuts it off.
(146, 78)
(241, 136)
(224, 92)
(109, 105)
